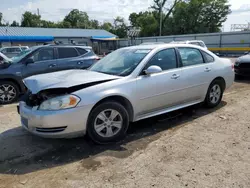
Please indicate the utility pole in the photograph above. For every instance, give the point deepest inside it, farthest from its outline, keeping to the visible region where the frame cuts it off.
(161, 19)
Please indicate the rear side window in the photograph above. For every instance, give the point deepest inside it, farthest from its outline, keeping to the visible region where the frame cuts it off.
(190, 56)
(81, 51)
(67, 53)
(202, 44)
(195, 43)
(208, 58)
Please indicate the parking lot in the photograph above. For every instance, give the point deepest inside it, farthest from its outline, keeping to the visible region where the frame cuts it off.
(194, 147)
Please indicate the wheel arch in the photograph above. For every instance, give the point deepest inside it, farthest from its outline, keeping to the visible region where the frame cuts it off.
(14, 81)
(120, 99)
(222, 80)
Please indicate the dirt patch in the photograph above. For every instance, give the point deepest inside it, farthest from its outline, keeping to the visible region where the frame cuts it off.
(194, 147)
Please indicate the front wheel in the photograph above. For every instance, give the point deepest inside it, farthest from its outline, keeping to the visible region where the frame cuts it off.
(108, 123)
(214, 94)
(9, 92)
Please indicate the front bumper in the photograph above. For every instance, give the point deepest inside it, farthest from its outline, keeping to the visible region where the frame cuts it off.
(66, 123)
(242, 71)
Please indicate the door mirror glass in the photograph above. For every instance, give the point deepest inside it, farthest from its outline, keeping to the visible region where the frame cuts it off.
(29, 61)
(152, 70)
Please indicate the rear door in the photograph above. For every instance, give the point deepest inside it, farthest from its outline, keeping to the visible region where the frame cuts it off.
(197, 73)
(44, 62)
(86, 59)
(67, 58)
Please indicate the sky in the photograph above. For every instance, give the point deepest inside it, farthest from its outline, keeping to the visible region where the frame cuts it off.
(102, 10)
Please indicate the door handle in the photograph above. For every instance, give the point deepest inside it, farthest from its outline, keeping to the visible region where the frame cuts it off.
(52, 65)
(175, 76)
(80, 62)
(207, 69)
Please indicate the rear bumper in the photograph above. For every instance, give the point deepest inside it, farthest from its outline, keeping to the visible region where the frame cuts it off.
(55, 124)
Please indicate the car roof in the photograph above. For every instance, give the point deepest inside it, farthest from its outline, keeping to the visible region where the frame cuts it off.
(156, 46)
(185, 41)
(14, 47)
(68, 45)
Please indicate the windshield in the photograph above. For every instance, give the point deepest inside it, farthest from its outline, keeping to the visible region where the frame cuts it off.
(4, 59)
(121, 62)
(22, 54)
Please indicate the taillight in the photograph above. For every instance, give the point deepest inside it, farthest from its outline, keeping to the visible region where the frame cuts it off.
(232, 66)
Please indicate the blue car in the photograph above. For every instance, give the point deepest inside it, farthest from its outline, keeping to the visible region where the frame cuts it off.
(39, 60)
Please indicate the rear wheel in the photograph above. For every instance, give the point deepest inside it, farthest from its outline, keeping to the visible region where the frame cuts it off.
(9, 92)
(108, 123)
(214, 94)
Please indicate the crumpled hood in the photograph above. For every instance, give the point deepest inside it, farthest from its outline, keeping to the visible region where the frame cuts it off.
(245, 58)
(64, 79)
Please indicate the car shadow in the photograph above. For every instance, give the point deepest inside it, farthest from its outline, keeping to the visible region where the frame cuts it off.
(22, 153)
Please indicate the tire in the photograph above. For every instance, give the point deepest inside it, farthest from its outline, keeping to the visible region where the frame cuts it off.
(9, 92)
(215, 100)
(98, 126)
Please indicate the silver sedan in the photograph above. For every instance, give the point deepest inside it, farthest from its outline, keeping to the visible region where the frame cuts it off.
(127, 85)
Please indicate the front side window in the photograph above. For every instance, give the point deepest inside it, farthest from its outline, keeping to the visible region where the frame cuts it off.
(165, 59)
(190, 56)
(67, 53)
(121, 62)
(43, 55)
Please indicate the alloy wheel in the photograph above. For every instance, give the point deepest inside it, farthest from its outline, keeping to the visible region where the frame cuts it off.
(108, 123)
(7, 93)
(215, 94)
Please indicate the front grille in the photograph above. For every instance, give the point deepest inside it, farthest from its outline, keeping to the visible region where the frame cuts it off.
(244, 65)
(31, 99)
(51, 130)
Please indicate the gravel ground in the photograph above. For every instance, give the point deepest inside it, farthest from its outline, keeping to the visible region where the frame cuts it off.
(194, 147)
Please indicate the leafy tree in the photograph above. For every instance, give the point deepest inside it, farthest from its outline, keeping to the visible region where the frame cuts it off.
(107, 26)
(94, 24)
(30, 20)
(199, 16)
(142, 20)
(48, 24)
(164, 7)
(120, 28)
(77, 19)
(14, 24)
(133, 18)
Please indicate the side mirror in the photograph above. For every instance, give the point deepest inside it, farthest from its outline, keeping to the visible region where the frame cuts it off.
(246, 53)
(29, 61)
(152, 70)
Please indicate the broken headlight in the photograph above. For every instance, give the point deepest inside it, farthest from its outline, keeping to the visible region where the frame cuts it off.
(59, 103)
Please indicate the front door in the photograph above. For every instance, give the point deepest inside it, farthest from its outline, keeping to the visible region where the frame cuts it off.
(161, 90)
(44, 62)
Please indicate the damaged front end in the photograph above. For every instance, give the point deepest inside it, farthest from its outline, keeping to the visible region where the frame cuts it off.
(32, 100)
